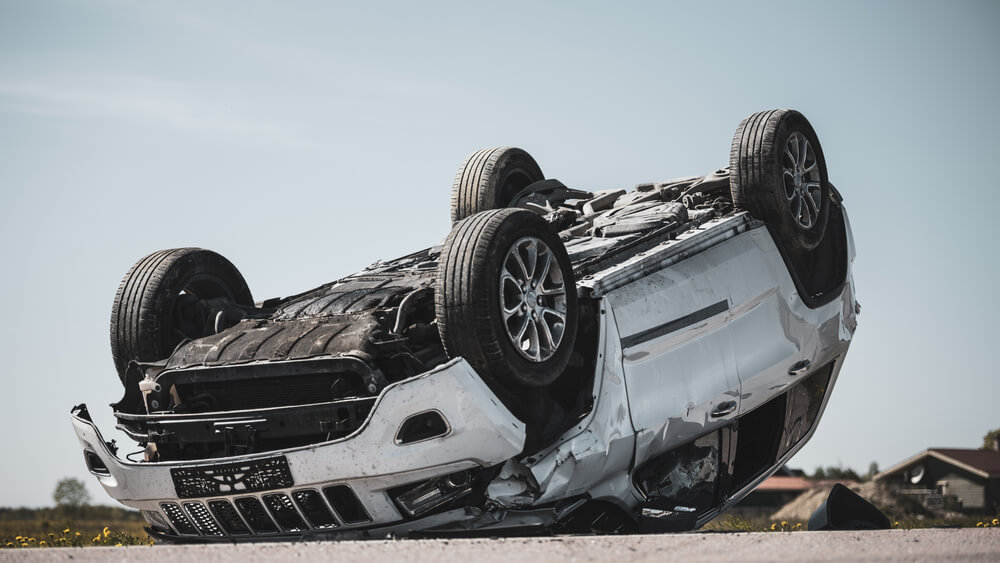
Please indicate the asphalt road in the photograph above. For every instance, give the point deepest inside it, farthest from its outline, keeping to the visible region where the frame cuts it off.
(969, 544)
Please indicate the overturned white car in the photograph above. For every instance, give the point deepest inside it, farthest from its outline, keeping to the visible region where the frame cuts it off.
(564, 361)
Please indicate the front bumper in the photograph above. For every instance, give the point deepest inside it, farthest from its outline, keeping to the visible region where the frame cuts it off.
(336, 486)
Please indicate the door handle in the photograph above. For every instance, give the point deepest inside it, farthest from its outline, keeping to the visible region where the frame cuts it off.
(798, 368)
(722, 409)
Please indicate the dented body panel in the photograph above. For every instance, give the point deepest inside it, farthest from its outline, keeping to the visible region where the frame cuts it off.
(594, 456)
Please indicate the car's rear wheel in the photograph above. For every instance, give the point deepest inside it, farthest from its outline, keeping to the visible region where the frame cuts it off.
(490, 178)
(506, 298)
(778, 174)
(160, 302)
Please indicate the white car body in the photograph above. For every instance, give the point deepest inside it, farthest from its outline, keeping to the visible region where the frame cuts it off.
(694, 333)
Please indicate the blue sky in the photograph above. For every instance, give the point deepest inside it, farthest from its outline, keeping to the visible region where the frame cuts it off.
(304, 140)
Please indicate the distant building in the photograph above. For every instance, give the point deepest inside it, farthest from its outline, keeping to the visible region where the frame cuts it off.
(776, 491)
(948, 478)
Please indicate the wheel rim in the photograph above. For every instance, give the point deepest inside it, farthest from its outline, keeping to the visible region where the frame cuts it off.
(803, 187)
(533, 299)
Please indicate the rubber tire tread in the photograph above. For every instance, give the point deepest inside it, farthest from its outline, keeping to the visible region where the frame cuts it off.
(463, 304)
(135, 321)
(754, 164)
(474, 187)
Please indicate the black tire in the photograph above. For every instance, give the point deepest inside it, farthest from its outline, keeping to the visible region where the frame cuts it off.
(144, 326)
(472, 292)
(767, 179)
(490, 178)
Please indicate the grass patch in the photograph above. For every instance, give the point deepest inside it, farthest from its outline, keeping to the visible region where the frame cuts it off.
(70, 537)
(735, 523)
(81, 527)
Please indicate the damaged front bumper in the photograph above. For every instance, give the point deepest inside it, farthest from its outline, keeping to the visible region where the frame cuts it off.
(367, 484)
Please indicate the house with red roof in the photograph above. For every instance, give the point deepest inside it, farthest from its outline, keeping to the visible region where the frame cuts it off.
(948, 478)
(776, 491)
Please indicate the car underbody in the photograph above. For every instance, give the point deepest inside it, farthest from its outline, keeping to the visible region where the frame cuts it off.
(344, 412)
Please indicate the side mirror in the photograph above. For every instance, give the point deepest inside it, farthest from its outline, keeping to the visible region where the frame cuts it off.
(846, 510)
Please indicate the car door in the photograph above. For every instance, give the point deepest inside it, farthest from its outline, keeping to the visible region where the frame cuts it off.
(771, 331)
(677, 352)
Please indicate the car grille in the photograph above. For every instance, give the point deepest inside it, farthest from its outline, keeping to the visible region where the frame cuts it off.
(253, 511)
(347, 503)
(315, 509)
(280, 506)
(292, 512)
(228, 518)
(178, 519)
(202, 519)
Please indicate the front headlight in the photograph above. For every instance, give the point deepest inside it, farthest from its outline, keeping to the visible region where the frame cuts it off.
(428, 495)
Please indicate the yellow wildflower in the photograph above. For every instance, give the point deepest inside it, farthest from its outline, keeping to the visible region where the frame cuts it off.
(41, 543)
(96, 539)
(107, 532)
(24, 544)
(66, 531)
(10, 544)
(799, 525)
(996, 521)
(979, 524)
(118, 545)
(774, 527)
(78, 534)
(19, 538)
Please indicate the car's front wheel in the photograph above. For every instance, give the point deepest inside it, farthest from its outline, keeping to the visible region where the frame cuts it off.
(506, 298)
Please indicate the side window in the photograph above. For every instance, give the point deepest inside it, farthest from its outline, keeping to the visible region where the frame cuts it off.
(804, 401)
(686, 476)
(768, 432)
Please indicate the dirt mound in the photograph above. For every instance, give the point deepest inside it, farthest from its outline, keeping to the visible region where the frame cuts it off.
(802, 506)
(892, 505)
